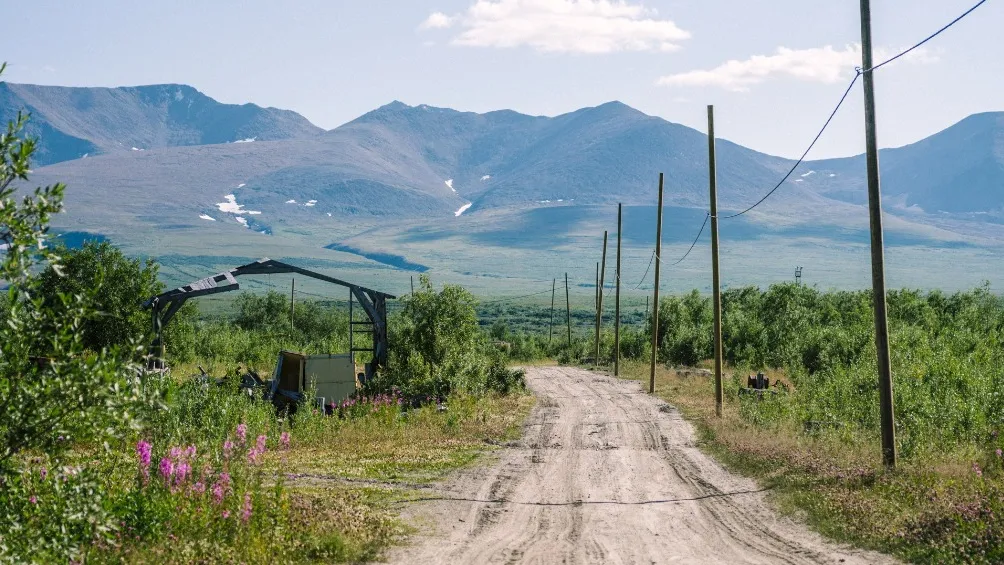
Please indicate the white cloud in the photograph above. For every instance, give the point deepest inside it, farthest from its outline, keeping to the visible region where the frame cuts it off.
(437, 20)
(817, 64)
(562, 26)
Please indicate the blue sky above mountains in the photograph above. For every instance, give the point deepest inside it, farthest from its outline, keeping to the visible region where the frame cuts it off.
(773, 69)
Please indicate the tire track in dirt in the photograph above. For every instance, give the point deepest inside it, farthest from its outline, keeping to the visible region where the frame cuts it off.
(607, 474)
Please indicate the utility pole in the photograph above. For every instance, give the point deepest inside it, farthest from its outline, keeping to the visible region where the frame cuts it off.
(568, 314)
(292, 293)
(798, 275)
(878, 259)
(413, 284)
(599, 298)
(550, 327)
(617, 297)
(715, 273)
(655, 299)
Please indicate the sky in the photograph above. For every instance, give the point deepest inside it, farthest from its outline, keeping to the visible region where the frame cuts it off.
(773, 69)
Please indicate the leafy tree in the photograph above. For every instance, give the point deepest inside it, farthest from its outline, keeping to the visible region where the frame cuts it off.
(46, 405)
(438, 348)
(119, 287)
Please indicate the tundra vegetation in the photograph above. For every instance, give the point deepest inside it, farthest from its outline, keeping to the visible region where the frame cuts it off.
(104, 462)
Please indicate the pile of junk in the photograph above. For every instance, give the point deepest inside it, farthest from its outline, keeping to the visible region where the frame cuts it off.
(333, 377)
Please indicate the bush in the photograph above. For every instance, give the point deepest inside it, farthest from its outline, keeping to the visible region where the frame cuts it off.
(70, 397)
(437, 347)
(118, 284)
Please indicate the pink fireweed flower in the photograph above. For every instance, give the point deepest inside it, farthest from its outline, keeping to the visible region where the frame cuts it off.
(225, 514)
(246, 511)
(190, 451)
(33, 500)
(1000, 454)
(218, 492)
(43, 472)
(977, 470)
(242, 433)
(143, 451)
(228, 449)
(175, 453)
(182, 471)
(284, 441)
(199, 488)
(253, 455)
(166, 468)
(261, 443)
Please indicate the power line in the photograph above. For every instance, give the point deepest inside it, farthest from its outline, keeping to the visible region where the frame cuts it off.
(649, 268)
(802, 158)
(857, 74)
(518, 297)
(929, 38)
(692, 245)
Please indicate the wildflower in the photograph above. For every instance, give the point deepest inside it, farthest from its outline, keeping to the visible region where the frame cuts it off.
(284, 441)
(225, 479)
(261, 443)
(182, 471)
(199, 488)
(242, 433)
(166, 468)
(225, 514)
(977, 470)
(218, 492)
(33, 500)
(190, 451)
(246, 512)
(143, 451)
(43, 472)
(1000, 454)
(228, 449)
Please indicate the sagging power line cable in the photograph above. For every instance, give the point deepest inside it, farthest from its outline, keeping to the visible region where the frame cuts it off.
(649, 268)
(522, 296)
(791, 171)
(692, 245)
(858, 71)
(928, 38)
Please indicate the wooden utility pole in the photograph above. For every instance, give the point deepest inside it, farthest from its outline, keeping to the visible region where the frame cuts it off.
(655, 299)
(716, 281)
(568, 313)
(878, 258)
(292, 293)
(413, 284)
(599, 298)
(550, 327)
(617, 298)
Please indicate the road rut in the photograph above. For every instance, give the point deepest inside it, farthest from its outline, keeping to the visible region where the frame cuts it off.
(607, 474)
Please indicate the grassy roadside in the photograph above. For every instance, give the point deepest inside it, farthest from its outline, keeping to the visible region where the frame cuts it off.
(935, 508)
(335, 484)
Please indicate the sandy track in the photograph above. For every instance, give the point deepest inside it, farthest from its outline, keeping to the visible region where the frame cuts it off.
(607, 474)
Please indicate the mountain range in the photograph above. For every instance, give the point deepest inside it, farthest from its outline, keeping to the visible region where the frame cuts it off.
(166, 170)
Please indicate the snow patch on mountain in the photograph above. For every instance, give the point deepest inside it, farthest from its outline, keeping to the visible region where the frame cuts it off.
(463, 209)
(230, 206)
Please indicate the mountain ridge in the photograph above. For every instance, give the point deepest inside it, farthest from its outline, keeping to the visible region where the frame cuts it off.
(74, 122)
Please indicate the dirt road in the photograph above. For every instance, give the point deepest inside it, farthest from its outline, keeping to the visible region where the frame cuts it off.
(606, 474)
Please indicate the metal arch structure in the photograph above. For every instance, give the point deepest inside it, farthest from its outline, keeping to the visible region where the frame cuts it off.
(164, 306)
